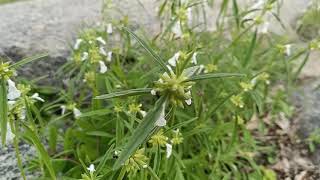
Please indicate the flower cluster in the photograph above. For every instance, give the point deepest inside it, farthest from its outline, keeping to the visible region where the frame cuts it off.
(91, 47)
(136, 162)
(5, 71)
(160, 140)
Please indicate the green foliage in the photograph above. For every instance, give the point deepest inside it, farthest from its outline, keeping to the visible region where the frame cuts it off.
(174, 107)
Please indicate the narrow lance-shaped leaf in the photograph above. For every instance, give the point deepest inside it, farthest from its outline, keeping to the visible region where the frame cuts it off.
(251, 49)
(156, 57)
(28, 60)
(3, 110)
(141, 133)
(131, 92)
(32, 136)
(214, 75)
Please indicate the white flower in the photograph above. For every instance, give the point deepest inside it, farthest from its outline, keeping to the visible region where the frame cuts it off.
(103, 51)
(174, 59)
(201, 68)
(63, 109)
(77, 44)
(288, 49)
(264, 28)
(13, 92)
(188, 101)
(85, 56)
(76, 112)
(176, 29)
(109, 58)
(143, 113)
(189, 16)
(91, 169)
(194, 58)
(109, 28)
(37, 97)
(161, 121)
(103, 67)
(168, 150)
(153, 92)
(101, 40)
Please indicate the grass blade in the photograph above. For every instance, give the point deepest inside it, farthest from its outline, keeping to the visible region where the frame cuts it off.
(131, 92)
(141, 133)
(3, 110)
(28, 60)
(214, 75)
(156, 57)
(32, 136)
(251, 49)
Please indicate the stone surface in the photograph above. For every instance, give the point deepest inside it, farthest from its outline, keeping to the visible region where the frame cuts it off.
(8, 162)
(37, 26)
(307, 101)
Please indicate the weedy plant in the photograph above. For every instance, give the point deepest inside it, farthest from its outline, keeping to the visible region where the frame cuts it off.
(174, 107)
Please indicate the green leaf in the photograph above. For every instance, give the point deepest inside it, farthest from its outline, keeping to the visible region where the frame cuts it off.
(156, 57)
(141, 133)
(3, 110)
(28, 60)
(32, 136)
(131, 92)
(99, 112)
(104, 159)
(214, 75)
(251, 49)
(99, 133)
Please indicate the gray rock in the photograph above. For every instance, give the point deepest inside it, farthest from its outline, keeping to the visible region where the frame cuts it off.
(37, 26)
(8, 162)
(307, 101)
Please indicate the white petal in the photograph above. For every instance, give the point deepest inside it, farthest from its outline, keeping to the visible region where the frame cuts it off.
(188, 101)
(174, 59)
(176, 29)
(109, 28)
(153, 92)
(161, 121)
(109, 58)
(101, 40)
(85, 56)
(91, 168)
(143, 113)
(63, 109)
(77, 44)
(37, 97)
(13, 92)
(103, 67)
(288, 49)
(194, 58)
(76, 113)
(103, 51)
(168, 150)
